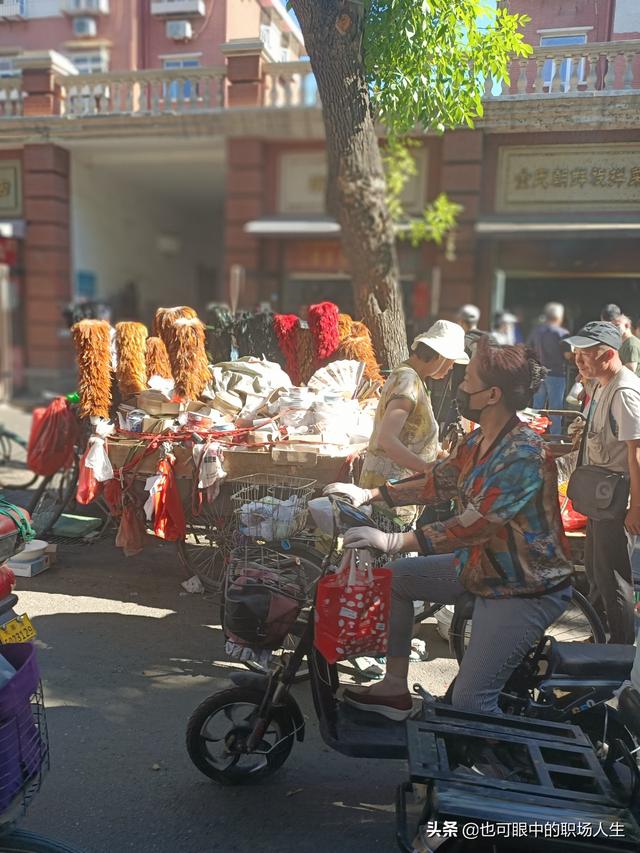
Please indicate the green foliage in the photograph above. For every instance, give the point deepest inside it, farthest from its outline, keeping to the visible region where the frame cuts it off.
(427, 60)
(437, 220)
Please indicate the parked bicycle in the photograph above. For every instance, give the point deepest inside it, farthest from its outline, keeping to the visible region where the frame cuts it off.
(14, 471)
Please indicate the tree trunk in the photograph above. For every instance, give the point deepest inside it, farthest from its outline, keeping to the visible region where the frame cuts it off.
(356, 190)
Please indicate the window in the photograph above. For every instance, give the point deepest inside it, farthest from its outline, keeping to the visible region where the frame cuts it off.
(93, 62)
(179, 88)
(550, 70)
(7, 68)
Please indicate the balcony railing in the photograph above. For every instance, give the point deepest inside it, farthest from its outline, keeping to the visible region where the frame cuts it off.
(11, 96)
(194, 90)
(610, 67)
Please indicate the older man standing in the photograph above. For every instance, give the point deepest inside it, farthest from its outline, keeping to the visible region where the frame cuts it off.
(546, 342)
(612, 443)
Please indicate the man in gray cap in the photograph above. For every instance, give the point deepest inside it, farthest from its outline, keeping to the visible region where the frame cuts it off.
(613, 443)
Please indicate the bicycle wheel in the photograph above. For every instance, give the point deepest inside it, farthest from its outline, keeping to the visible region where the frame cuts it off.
(52, 497)
(21, 841)
(14, 471)
(205, 550)
(578, 624)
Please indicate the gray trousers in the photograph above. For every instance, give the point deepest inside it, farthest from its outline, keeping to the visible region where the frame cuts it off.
(503, 629)
(606, 560)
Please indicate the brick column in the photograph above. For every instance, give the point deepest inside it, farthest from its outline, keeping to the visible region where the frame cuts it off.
(47, 261)
(462, 182)
(245, 76)
(244, 201)
(41, 74)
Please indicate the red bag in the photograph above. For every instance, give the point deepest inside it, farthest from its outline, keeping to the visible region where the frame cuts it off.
(52, 439)
(352, 611)
(88, 487)
(168, 516)
(132, 530)
(113, 497)
(571, 518)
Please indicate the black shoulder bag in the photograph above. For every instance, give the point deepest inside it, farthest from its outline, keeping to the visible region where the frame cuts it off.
(597, 492)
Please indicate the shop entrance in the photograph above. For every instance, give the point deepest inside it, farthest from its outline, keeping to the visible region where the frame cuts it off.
(583, 298)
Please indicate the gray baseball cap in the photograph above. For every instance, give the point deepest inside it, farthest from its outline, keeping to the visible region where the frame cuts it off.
(594, 334)
(469, 313)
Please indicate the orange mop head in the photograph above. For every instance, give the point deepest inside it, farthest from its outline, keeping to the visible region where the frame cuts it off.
(157, 359)
(188, 357)
(131, 346)
(166, 317)
(358, 346)
(92, 341)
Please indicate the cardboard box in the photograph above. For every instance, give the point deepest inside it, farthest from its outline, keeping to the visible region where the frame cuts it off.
(128, 451)
(155, 403)
(29, 570)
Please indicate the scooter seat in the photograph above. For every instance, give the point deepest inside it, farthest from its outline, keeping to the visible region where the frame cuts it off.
(8, 523)
(610, 661)
(629, 708)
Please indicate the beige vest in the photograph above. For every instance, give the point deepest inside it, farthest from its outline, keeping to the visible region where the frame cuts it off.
(602, 445)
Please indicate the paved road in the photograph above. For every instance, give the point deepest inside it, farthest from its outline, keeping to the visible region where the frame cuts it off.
(126, 658)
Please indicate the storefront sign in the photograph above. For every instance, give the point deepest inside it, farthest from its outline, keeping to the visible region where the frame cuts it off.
(303, 177)
(559, 178)
(10, 188)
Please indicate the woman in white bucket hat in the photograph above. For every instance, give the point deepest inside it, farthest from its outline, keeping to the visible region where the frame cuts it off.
(405, 433)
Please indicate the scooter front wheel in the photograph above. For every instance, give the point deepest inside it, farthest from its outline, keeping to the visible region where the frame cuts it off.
(218, 731)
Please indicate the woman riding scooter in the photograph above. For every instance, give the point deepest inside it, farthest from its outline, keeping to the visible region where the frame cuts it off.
(506, 545)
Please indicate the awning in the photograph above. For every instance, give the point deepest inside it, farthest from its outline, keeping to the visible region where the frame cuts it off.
(511, 227)
(289, 226)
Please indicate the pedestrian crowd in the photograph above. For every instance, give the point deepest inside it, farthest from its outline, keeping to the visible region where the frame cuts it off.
(503, 540)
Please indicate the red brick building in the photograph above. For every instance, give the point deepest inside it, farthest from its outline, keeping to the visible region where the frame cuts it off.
(146, 182)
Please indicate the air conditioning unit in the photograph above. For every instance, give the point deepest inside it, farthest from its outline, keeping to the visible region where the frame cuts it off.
(13, 8)
(85, 27)
(179, 30)
(266, 36)
(88, 7)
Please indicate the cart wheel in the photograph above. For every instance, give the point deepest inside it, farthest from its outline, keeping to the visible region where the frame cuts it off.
(14, 471)
(21, 841)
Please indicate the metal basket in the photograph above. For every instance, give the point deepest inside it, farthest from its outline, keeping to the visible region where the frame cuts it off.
(24, 757)
(264, 594)
(271, 508)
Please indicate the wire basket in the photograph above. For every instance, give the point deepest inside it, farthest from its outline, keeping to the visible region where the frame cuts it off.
(24, 750)
(264, 593)
(271, 508)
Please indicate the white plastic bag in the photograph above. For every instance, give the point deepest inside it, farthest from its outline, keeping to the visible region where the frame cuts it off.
(98, 460)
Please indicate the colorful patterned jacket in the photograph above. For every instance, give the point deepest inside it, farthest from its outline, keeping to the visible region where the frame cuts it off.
(508, 537)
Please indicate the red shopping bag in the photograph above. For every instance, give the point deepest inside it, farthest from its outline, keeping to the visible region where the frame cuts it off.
(352, 611)
(168, 517)
(571, 518)
(52, 439)
(88, 487)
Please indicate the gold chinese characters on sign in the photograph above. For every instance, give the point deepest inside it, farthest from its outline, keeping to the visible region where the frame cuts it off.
(10, 188)
(568, 177)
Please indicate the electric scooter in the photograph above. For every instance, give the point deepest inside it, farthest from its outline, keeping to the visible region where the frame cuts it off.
(248, 731)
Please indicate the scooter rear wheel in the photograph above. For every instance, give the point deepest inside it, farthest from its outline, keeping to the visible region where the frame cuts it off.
(219, 728)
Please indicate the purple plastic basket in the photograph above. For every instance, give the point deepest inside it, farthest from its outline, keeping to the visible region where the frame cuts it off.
(21, 745)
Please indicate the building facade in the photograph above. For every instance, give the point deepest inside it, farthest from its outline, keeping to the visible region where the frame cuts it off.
(170, 146)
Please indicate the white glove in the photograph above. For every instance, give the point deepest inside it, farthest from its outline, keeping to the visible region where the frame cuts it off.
(369, 537)
(356, 495)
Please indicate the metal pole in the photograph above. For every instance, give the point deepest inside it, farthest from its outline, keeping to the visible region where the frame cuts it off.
(6, 372)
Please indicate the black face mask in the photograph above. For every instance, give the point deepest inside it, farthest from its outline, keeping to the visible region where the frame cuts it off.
(463, 399)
